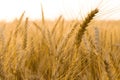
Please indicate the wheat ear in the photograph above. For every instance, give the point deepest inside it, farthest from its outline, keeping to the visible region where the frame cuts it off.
(84, 25)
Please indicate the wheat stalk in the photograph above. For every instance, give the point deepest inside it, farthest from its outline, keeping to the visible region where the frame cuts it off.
(25, 34)
(84, 25)
(55, 26)
(43, 19)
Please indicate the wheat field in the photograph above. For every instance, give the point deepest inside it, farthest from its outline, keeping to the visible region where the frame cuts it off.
(60, 50)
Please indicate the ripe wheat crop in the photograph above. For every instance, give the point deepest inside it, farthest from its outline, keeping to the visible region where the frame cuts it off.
(60, 50)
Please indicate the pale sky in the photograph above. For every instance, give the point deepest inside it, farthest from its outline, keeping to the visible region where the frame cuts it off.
(70, 9)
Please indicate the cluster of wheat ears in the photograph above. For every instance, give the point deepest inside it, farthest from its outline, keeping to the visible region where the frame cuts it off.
(33, 50)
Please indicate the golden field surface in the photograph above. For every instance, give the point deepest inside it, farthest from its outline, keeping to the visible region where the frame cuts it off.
(60, 50)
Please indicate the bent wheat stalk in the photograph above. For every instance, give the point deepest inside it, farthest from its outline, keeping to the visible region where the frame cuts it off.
(84, 25)
(80, 33)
